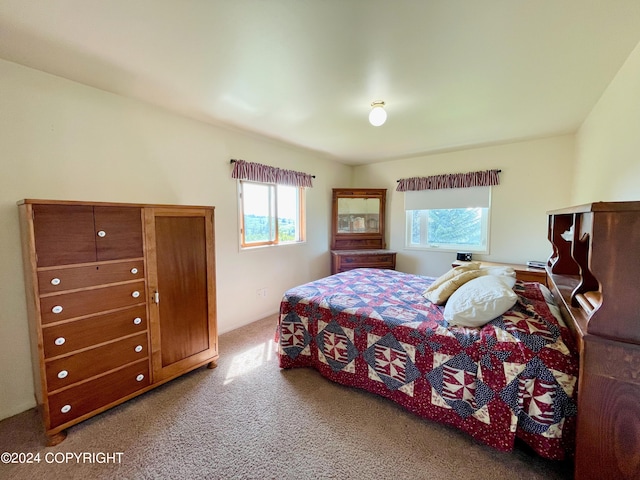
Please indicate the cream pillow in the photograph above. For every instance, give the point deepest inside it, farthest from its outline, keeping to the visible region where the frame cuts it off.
(479, 301)
(452, 273)
(443, 291)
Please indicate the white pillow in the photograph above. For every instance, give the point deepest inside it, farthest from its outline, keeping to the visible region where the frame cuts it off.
(506, 274)
(479, 301)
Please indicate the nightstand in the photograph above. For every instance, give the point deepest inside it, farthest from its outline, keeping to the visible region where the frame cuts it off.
(523, 273)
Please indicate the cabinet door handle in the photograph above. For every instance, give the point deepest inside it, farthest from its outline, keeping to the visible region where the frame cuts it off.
(156, 297)
(102, 233)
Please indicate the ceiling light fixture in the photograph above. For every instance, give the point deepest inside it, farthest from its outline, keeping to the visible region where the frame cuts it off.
(377, 115)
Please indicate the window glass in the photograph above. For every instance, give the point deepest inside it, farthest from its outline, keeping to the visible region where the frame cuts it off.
(448, 229)
(288, 213)
(271, 214)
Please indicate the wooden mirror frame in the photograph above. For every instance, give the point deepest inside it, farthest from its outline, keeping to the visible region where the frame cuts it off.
(358, 240)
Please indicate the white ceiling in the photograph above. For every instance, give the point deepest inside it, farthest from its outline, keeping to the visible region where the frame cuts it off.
(453, 73)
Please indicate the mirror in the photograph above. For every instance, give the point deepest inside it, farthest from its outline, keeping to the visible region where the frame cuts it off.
(358, 218)
(358, 215)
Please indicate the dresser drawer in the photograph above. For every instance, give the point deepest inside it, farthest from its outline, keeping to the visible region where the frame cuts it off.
(86, 397)
(341, 261)
(87, 302)
(70, 278)
(365, 260)
(88, 363)
(67, 337)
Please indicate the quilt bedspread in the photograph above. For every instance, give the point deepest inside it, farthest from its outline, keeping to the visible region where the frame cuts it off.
(373, 329)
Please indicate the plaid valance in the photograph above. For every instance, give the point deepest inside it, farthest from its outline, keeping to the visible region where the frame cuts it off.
(485, 178)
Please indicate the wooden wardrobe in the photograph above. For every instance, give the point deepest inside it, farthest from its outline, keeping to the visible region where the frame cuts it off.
(121, 298)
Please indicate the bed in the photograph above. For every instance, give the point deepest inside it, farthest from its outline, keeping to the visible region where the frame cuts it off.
(593, 274)
(515, 377)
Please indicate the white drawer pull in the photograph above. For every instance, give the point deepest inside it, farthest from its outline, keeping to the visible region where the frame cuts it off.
(138, 348)
(63, 374)
(102, 233)
(57, 309)
(60, 341)
(140, 377)
(55, 281)
(66, 409)
(137, 321)
(135, 294)
(134, 270)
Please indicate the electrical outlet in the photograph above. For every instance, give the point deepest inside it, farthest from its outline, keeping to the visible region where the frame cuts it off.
(261, 293)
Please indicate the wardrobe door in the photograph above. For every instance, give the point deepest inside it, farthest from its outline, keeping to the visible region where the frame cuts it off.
(180, 262)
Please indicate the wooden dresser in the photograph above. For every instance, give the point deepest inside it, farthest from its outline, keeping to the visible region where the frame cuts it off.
(523, 273)
(594, 273)
(121, 298)
(357, 230)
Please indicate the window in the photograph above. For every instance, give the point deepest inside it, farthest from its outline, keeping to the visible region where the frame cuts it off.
(270, 214)
(448, 219)
(448, 229)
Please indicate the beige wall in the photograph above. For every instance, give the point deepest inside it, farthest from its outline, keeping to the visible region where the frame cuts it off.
(533, 181)
(608, 142)
(63, 140)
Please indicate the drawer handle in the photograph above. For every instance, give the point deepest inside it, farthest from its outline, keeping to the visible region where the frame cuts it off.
(62, 374)
(57, 309)
(134, 270)
(137, 321)
(60, 341)
(135, 294)
(138, 348)
(55, 281)
(66, 409)
(139, 378)
(102, 233)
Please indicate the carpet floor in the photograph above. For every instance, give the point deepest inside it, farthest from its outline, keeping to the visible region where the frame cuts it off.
(247, 419)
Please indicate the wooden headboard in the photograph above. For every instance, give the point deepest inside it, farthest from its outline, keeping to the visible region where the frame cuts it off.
(594, 274)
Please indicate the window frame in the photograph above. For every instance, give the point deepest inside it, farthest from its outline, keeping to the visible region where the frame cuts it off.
(446, 247)
(273, 216)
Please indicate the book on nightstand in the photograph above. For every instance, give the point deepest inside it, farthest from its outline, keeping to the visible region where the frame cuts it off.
(536, 264)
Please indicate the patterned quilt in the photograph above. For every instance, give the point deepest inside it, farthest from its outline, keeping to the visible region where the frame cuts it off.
(373, 329)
